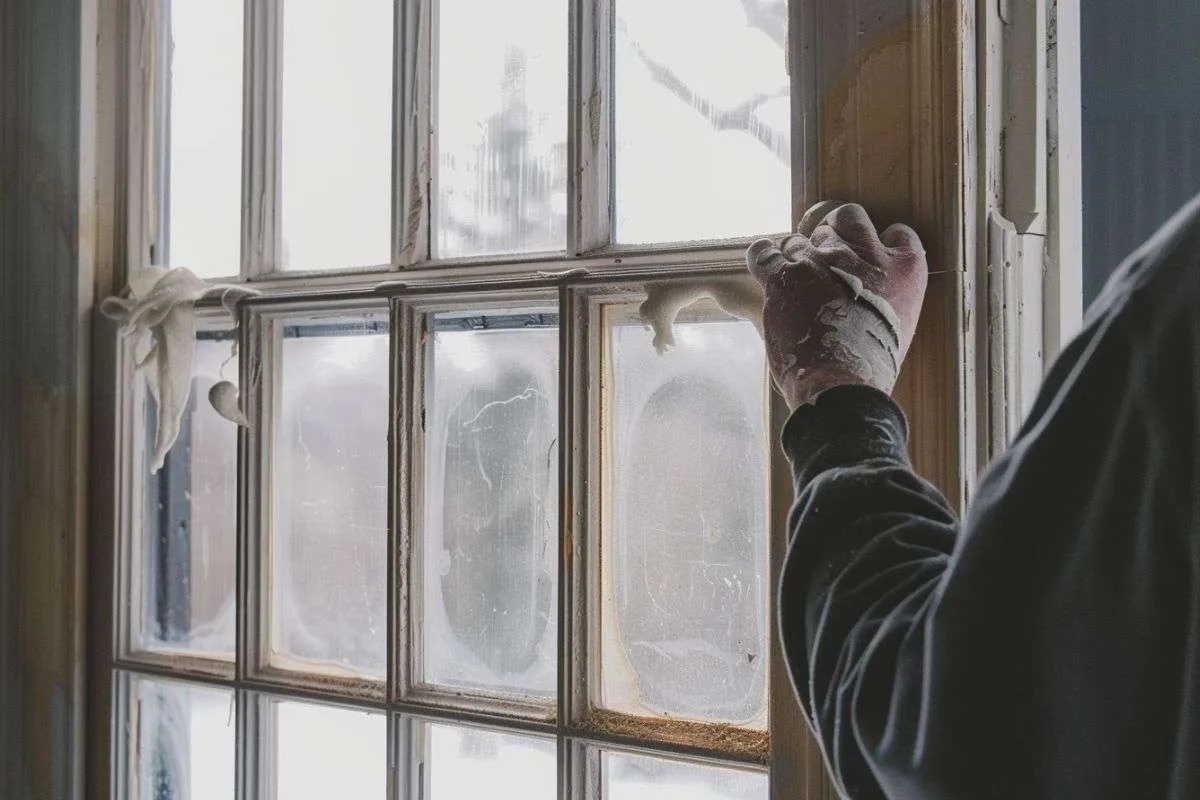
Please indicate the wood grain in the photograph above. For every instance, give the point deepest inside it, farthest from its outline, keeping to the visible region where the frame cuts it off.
(877, 111)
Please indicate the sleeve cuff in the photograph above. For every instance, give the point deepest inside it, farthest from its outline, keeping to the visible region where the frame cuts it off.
(844, 426)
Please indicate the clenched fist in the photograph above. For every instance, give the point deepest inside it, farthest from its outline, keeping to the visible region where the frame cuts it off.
(842, 301)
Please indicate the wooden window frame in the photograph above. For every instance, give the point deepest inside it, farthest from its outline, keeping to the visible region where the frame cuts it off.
(938, 134)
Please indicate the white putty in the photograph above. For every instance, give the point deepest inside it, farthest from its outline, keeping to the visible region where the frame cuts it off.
(738, 295)
(224, 398)
(157, 312)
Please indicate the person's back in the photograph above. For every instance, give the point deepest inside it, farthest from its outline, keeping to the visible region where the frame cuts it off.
(1051, 647)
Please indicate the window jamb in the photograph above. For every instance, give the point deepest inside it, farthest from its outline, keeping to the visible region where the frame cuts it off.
(261, 75)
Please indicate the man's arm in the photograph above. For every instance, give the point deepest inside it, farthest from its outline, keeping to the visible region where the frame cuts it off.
(1047, 648)
(868, 540)
(869, 543)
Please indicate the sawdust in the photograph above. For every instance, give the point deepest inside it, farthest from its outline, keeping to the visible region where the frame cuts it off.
(718, 737)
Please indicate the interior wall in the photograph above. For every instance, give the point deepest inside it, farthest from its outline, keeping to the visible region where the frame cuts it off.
(43, 264)
(1141, 124)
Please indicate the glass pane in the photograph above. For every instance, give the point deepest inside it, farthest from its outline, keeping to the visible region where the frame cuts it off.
(702, 119)
(1140, 115)
(469, 763)
(189, 519)
(203, 137)
(630, 777)
(684, 521)
(323, 752)
(183, 740)
(336, 134)
(329, 548)
(501, 122)
(490, 554)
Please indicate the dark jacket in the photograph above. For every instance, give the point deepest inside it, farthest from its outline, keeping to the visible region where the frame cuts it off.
(1048, 647)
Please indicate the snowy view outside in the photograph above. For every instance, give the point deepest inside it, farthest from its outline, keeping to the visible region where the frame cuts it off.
(700, 123)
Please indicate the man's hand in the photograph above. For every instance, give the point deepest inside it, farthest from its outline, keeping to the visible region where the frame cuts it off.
(842, 301)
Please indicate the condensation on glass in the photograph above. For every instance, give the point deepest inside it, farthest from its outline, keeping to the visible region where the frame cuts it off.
(501, 127)
(465, 763)
(636, 777)
(336, 134)
(489, 548)
(181, 739)
(701, 108)
(188, 551)
(684, 520)
(329, 495)
(201, 136)
(324, 752)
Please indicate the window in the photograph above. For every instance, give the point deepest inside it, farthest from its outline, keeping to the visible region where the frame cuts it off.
(480, 535)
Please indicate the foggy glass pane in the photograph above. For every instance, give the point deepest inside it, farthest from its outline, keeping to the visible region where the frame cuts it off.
(336, 134)
(630, 777)
(701, 106)
(489, 557)
(203, 136)
(501, 123)
(469, 763)
(329, 546)
(183, 740)
(189, 519)
(684, 524)
(322, 752)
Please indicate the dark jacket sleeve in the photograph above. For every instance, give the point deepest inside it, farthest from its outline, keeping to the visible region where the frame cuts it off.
(1047, 648)
(869, 542)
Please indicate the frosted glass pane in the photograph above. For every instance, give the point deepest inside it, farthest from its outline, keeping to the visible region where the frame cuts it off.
(684, 525)
(183, 740)
(489, 557)
(324, 752)
(203, 195)
(189, 519)
(501, 127)
(336, 134)
(329, 549)
(629, 777)
(470, 763)
(702, 120)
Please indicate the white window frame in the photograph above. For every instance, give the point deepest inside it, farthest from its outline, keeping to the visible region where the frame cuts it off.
(590, 263)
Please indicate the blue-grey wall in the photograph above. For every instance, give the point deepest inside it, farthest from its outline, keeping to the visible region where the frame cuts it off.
(1141, 124)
